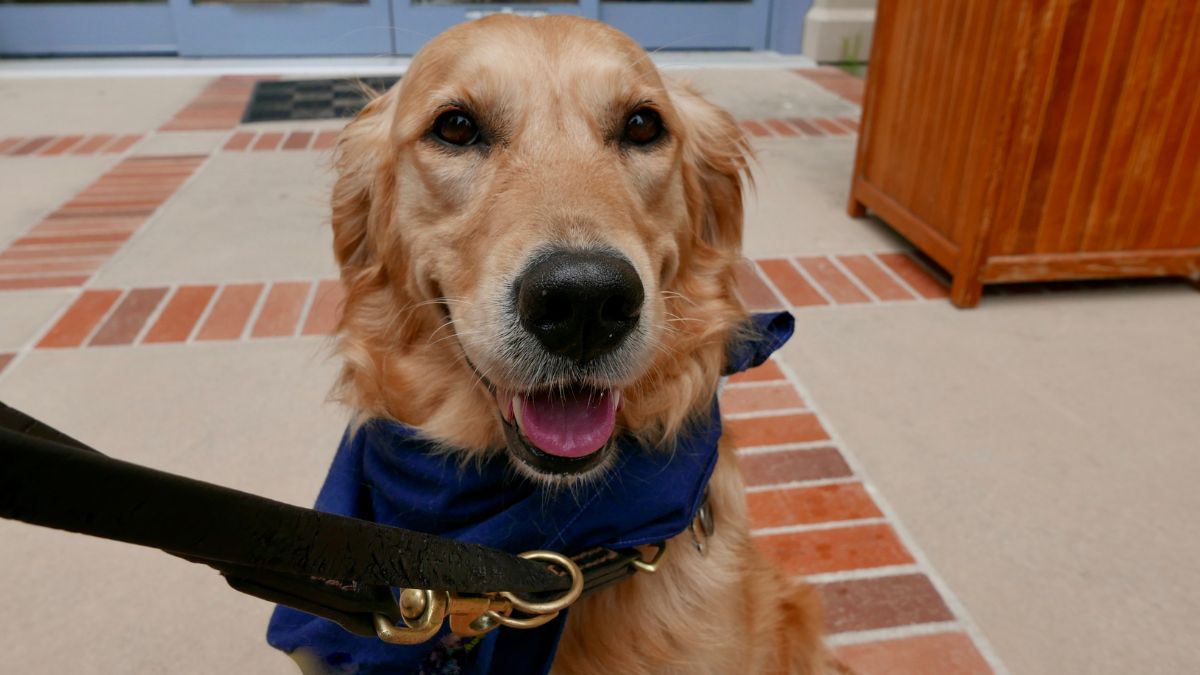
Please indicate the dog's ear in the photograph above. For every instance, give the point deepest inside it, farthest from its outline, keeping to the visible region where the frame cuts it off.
(715, 159)
(363, 188)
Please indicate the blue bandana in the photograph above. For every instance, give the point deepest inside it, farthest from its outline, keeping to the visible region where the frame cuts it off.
(388, 474)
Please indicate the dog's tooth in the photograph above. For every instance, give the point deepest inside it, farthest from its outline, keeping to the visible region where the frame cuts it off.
(516, 411)
(618, 402)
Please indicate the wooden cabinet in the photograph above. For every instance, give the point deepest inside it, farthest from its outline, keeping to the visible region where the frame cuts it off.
(1025, 140)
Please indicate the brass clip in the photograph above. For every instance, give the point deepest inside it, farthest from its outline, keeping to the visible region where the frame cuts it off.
(423, 610)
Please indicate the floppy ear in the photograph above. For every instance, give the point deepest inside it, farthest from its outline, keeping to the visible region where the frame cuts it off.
(715, 159)
(363, 189)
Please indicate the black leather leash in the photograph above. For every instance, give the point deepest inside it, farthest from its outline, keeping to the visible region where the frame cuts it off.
(340, 568)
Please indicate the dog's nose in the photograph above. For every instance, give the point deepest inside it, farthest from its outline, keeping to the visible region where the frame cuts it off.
(580, 304)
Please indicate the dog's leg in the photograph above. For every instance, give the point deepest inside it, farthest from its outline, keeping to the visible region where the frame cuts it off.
(725, 611)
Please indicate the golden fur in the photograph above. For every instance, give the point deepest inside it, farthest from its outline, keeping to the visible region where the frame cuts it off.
(428, 239)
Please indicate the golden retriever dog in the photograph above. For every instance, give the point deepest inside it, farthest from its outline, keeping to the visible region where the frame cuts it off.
(525, 172)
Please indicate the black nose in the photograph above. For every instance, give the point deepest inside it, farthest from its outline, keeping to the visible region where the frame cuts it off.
(580, 304)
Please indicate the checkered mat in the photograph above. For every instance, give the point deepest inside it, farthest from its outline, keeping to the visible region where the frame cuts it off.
(311, 99)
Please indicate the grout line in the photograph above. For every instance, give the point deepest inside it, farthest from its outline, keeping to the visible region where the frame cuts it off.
(801, 484)
(855, 280)
(956, 606)
(766, 279)
(896, 633)
(772, 412)
(860, 574)
(830, 302)
(306, 308)
(782, 447)
(813, 527)
(256, 311)
(204, 313)
(104, 319)
(887, 269)
(153, 317)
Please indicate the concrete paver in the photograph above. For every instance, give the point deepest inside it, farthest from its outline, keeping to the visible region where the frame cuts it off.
(799, 204)
(765, 93)
(216, 414)
(181, 143)
(92, 104)
(26, 314)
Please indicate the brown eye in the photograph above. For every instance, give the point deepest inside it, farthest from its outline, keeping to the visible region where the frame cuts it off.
(456, 128)
(643, 127)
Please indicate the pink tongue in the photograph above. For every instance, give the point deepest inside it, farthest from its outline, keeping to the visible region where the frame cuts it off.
(571, 423)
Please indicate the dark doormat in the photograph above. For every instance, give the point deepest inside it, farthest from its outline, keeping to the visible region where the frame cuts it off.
(311, 99)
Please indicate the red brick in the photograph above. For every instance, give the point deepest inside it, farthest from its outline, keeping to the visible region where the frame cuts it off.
(179, 317)
(281, 310)
(808, 505)
(884, 602)
(77, 323)
(806, 127)
(755, 293)
(755, 129)
(921, 280)
(57, 252)
(73, 239)
(836, 285)
(793, 466)
(780, 127)
(325, 140)
(61, 145)
(123, 143)
(835, 549)
(827, 125)
(298, 140)
(91, 144)
(228, 317)
(879, 282)
(32, 145)
(942, 653)
(48, 267)
(240, 141)
(40, 282)
(129, 317)
(323, 315)
(776, 430)
(795, 288)
(767, 371)
(755, 399)
(269, 140)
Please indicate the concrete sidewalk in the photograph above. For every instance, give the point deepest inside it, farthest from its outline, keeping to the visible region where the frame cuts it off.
(972, 491)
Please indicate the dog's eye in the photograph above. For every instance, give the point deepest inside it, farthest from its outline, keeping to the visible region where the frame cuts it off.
(456, 128)
(643, 127)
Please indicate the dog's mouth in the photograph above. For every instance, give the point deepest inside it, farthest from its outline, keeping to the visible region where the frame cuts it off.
(563, 430)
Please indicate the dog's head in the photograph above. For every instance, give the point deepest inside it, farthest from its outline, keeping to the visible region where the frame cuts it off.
(537, 237)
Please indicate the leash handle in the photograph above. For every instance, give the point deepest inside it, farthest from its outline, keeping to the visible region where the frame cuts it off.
(332, 566)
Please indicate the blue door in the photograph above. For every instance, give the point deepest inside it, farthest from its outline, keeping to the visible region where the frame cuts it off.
(348, 27)
(38, 28)
(675, 24)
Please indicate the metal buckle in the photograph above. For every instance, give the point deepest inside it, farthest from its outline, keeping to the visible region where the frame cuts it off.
(651, 565)
(423, 610)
